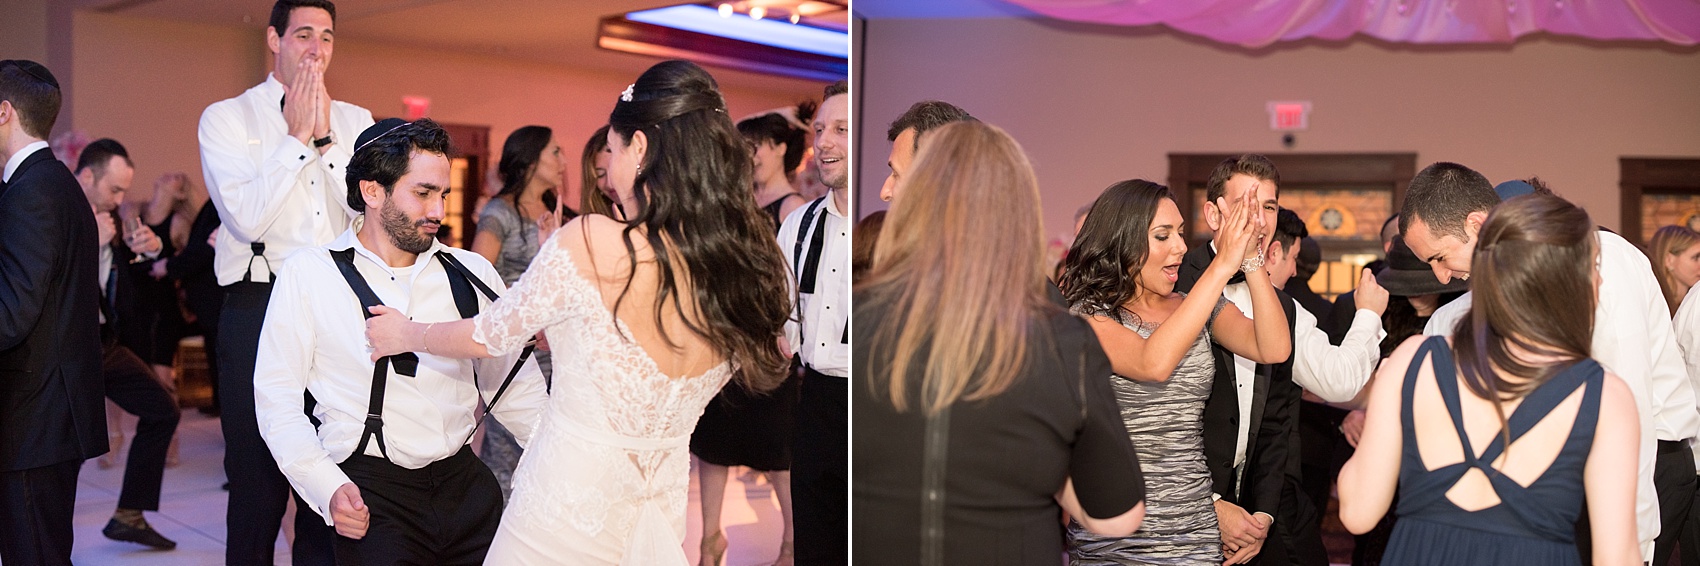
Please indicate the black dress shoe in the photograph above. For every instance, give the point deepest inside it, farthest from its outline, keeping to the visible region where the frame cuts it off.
(144, 535)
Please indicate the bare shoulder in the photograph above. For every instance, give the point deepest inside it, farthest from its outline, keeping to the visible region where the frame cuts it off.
(1616, 398)
(600, 243)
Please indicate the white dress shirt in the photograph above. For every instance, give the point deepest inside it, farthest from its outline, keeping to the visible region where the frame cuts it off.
(1334, 373)
(1633, 339)
(825, 314)
(314, 340)
(1687, 329)
(17, 159)
(268, 186)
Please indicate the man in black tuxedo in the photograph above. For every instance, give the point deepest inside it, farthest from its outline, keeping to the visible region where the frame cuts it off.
(51, 413)
(1245, 450)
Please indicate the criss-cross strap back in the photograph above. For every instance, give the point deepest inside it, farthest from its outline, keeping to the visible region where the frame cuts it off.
(1548, 507)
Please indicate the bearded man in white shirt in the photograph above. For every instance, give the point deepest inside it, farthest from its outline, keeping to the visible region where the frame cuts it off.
(382, 454)
(274, 159)
(1445, 207)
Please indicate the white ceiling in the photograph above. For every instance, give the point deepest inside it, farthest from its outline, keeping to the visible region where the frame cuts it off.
(556, 32)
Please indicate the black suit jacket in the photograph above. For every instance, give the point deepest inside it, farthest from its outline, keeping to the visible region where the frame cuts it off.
(1272, 415)
(51, 410)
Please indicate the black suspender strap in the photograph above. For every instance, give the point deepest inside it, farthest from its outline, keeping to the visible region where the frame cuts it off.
(460, 286)
(406, 363)
(459, 277)
(259, 249)
(797, 248)
(809, 267)
(811, 264)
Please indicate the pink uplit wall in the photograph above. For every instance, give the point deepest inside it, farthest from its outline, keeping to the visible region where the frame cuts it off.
(1094, 105)
(145, 82)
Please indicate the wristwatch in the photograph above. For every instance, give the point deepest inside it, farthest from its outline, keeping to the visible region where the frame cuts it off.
(324, 141)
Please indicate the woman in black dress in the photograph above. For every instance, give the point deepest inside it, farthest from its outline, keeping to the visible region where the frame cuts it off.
(981, 410)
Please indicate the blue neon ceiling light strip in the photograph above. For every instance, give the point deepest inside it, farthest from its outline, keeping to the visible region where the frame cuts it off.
(785, 35)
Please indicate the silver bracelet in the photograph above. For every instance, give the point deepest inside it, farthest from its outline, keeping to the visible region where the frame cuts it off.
(1252, 264)
(425, 337)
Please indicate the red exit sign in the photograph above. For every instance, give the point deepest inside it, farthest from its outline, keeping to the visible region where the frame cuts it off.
(1286, 116)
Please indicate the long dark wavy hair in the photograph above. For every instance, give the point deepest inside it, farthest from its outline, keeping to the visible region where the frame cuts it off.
(1099, 274)
(694, 204)
(520, 154)
(1533, 278)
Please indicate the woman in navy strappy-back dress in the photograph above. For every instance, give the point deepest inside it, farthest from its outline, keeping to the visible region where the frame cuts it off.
(1495, 437)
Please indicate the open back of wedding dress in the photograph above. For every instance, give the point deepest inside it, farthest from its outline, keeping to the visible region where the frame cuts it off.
(606, 476)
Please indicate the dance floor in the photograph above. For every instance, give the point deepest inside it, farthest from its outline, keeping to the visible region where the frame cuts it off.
(193, 505)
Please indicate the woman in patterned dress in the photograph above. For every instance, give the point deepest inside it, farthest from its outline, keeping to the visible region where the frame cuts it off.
(1121, 275)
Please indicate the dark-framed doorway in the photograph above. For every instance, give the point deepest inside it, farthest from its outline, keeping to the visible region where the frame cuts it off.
(1656, 192)
(469, 159)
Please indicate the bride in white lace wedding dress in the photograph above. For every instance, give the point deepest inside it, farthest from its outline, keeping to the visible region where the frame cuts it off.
(604, 479)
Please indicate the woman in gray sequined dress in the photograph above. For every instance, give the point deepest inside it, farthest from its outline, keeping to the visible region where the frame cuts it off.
(1121, 274)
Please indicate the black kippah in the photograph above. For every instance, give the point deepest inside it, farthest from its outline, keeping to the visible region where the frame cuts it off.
(377, 130)
(34, 69)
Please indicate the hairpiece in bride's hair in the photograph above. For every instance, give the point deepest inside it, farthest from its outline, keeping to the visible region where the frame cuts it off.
(627, 95)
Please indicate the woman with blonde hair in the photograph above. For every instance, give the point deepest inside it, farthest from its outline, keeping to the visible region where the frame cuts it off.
(979, 404)
(1676, 262)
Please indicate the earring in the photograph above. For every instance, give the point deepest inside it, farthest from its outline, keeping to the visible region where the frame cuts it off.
(639, 171)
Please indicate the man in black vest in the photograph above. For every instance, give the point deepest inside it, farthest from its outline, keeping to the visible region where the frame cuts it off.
(381, 453)
(51, 413)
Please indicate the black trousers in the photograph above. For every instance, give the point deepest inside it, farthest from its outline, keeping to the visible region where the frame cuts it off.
(259, 494)
(1295, 538)
(1689, 540)
(819, 470)
(130, 383)
(36, 506)
(444, 513)
(1674, 480)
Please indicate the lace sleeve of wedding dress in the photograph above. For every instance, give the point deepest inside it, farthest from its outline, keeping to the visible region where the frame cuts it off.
(541, 298)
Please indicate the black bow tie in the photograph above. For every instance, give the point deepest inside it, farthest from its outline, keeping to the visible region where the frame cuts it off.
(1239, 277)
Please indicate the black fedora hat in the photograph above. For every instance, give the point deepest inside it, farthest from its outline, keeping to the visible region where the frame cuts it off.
(1407, 275)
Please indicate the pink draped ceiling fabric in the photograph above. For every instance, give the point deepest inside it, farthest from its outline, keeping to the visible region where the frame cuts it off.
(1259, 23)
